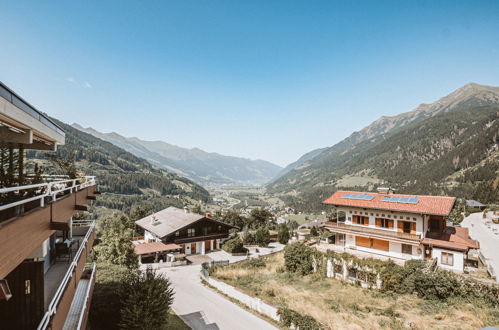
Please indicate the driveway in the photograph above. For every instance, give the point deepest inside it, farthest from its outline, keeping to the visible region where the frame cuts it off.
(202, 308)
(489, 241)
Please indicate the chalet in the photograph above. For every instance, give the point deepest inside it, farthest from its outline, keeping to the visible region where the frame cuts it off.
(45, 281)
(399, 226)
(194, 233)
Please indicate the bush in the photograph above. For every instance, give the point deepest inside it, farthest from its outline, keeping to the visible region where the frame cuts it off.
(289, 317)
(313, 231)
(255, 263)
(262, 237)
(283, 234)
(298, 258)
(234, 245)
(147, 297)
(249, 238)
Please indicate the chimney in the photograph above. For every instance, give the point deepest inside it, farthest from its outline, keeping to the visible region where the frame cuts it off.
(207, 215)
(186, 210)
(385, 190)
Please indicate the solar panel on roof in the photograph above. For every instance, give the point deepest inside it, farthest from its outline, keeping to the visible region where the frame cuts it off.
(406, 200)
(358, 196)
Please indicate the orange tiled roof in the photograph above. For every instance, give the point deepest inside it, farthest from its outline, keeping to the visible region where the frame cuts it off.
(453, 238)
(153, 247)
(434, 205)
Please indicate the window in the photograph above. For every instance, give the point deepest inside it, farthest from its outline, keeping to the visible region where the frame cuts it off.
(191, 232)
(384, 223)
(219, 228)
(177, 233)
(361, 220)
(447, 259)
(406, 249)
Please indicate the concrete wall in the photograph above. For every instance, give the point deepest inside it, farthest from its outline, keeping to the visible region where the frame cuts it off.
(255, 304)
(458, 259)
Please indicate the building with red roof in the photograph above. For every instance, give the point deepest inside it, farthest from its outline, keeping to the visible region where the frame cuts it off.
(399, 226)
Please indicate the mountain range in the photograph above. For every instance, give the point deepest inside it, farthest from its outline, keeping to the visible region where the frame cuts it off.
(449, 146)
(205, 168)
(125, 179)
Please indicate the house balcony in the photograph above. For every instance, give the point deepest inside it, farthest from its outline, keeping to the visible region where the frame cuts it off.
(181, 240)
(339, 227)
(69, 287)
(31, 214)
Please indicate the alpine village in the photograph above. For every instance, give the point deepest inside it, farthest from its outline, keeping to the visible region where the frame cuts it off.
(395, 226)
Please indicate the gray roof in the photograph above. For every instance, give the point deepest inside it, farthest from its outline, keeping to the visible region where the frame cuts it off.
(473, 203)
(168, 221)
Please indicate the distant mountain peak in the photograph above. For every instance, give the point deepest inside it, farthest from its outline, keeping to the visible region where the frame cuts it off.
(203, 167)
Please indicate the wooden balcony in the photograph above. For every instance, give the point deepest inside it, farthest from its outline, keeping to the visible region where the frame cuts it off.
(343, 228)
(180, 240)
(22, 231)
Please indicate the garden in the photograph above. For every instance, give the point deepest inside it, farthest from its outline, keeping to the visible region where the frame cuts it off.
(409, 297)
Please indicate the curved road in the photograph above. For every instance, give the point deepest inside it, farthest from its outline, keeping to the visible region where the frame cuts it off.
(202, 308)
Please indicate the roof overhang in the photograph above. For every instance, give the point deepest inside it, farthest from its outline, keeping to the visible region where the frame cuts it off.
(22, 124)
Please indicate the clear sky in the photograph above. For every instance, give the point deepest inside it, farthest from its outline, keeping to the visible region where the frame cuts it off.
(260, 79)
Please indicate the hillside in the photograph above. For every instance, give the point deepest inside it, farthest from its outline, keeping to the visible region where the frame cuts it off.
(124, 178)
(200, 166)
(401, 151)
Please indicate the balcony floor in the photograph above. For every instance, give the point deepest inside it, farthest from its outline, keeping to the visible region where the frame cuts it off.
(55, 274)
(79, 301)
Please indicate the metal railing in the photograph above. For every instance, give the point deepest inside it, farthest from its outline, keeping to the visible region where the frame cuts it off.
(87, 296)
(52, 190)
(52, 309)
(373, 231)
(19, 102)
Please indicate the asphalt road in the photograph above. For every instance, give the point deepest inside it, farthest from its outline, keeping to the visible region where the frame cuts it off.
(489, 242)
(202, 308)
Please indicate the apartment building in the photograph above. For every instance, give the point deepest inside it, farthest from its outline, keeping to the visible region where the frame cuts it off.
(399, 226)
(45, 282)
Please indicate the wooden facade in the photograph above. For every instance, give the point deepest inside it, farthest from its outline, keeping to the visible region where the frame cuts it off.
(204, 229)
(20, 236)
(26, 307)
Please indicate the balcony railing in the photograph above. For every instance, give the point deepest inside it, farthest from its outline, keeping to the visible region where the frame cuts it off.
(51, 191)
(66, 281)
(373, 231)
(187, 239)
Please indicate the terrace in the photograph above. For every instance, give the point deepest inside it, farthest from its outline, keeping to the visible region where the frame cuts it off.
(343, 228)
(69, 285)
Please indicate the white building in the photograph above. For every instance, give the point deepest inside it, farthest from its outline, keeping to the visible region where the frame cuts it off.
(400, 227)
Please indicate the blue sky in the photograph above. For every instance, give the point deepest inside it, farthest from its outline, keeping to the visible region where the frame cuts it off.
(259, 79)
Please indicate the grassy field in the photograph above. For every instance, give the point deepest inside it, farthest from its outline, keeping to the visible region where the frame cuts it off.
(339, 305)
(302, 218)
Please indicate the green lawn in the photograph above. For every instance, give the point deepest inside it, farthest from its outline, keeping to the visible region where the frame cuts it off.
(300, 218)
(176, 322)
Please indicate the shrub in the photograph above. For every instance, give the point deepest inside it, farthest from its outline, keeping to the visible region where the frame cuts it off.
(289, 317)
(234, 245)
(313, 231)
(249, 238)
(147, 297)
(283, 234)
(255, 263)
(298, 258)
(262, 236)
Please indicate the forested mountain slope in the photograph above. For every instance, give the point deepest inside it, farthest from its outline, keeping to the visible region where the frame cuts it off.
(200, 166)
(455, 153)
(302, 172)
(125, 178)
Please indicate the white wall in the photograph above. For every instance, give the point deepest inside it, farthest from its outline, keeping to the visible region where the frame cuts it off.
(458, 259)
(372, 218)
(150, 237)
